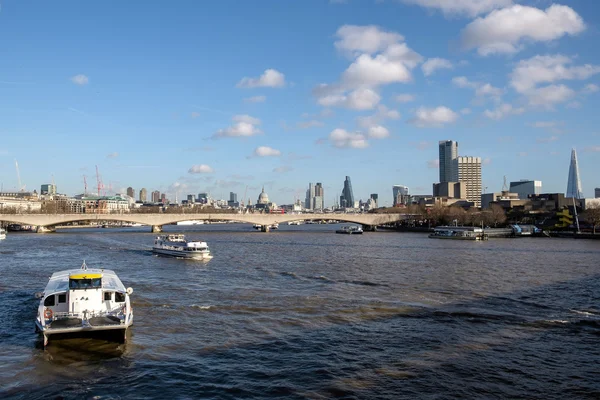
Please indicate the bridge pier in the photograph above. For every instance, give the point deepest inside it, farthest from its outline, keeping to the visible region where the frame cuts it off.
(45, 229)
(264, 228)
(369, 228)
(156, 228)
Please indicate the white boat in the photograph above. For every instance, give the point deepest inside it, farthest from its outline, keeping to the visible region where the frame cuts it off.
(294, 223)
(458, 233)
(176, 245)
(2, 234)
(274, 226)
(350, 230)
(84, 301)
(191, 222)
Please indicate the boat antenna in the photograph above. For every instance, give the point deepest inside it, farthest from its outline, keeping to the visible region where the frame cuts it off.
(84, 265)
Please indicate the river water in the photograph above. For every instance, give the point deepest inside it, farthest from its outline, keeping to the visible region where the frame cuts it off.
(305, 313)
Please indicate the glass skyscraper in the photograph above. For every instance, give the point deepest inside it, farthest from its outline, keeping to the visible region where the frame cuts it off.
(347, 197)
(448, 153)
(574, 182)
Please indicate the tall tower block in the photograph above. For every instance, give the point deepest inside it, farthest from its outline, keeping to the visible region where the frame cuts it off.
(574, 182)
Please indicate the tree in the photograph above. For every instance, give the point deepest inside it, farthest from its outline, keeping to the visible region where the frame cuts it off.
(457, 214)
(592, 216)
(497, 215)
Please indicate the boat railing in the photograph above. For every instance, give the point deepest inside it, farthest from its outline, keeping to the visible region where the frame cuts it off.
(89, 314)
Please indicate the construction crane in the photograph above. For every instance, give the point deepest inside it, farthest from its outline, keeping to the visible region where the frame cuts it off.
(99, 182)
(84, 186)
(245, 191)
(21, 188)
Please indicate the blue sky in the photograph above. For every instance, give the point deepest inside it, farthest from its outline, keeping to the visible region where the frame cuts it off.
(227, 96)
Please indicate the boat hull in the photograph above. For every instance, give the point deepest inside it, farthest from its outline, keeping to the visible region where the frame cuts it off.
(349, 232)
(456, 237)
(182, 254)
(75, 327)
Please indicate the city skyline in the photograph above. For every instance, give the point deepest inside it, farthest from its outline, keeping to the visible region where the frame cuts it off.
(387, 81)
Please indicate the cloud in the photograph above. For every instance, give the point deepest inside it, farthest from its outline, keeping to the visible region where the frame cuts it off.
(283, 169)
(200, 169)
(481, 89)
(547, 124)
(505, 31)
(255, 99)
(365, 39)
(113, 155)
(433, 163)
(590, 88)
(378, 132)
(404, 98)
(469, 8)
(194, 115)
(343, 139)
(433, 64)
(80, 79)
(313, 123)
(550, 95)
(269, 78)
(244, 126)
(265, 151)
(465, 111)
(433, 117)
(359, 99)
(486, 161)
(383, 113)
(374, 71)
(502, 111)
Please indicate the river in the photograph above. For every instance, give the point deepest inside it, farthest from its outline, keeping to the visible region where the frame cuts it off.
(303, 313)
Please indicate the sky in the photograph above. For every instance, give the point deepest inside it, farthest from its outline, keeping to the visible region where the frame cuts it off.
(197, 96)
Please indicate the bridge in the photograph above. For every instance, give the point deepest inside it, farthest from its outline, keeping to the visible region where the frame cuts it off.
(47, 222)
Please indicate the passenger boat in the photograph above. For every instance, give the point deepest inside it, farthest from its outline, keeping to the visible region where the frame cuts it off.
(84, 302)
(2, 234)
(176, 245)
(458, 233)
(350, 230)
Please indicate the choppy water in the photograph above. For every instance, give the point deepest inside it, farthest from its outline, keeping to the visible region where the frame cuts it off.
(305, 313)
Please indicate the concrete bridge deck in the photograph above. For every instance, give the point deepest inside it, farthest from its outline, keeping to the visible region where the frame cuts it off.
(46, 221)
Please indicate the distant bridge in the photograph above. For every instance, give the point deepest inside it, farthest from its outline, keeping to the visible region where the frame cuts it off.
(46, 222)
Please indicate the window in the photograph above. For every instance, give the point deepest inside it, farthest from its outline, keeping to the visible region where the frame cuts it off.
(49, 302)
(85, 283)
(108, 296)
(62, 298)
(119, 297)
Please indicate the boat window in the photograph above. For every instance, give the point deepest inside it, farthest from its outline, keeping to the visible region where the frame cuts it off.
(49, 301)
(108, 296)
(62, 298)
(119, 297)
(85, 283)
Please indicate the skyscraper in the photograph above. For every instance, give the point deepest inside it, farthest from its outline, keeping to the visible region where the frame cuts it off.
(143, 195)
(448, 153)
(467, 170)
(400, 194)
(574, 182)
(524, 188)
(155, 196)
(310, 194)
(375, 197)
(597, 193)
(130, 192)
(319, 199)
(347, 197)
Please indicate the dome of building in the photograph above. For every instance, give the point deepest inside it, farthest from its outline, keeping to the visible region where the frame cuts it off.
(263, 198)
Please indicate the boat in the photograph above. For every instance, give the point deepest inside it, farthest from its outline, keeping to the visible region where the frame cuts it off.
(84, 302)
(458, 233)
(191, 222)
(350, 230)
(176, 245)
(274, 226)
(2, 234)
(257, 226)
(294, 223)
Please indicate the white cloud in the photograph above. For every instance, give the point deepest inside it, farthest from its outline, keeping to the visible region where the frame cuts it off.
(365, 39)
(433, 117)
(244, 126)
(506, 30)
(200, 169)
(502, 111)
(470, 8)
(465, 111)
(313, 123)
(255, 99)
(80, 79)
(404, 98)
(549, 96)
(283, 168)
(369, 71)
(113, 155)
(378, 132)
(590, 88)
(265, 151)
(481, 89)
(359, 99)
(383, 113)
(548, 69)
(269, 78)
(433, 64)
(546, 124)
(341, 138)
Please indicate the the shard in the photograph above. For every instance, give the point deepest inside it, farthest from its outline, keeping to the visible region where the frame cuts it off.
(574, 183)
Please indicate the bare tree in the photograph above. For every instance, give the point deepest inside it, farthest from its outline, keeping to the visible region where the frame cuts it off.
(497, 215)
(457, 214)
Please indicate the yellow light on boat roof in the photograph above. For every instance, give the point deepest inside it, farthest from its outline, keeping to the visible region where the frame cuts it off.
(85, 276)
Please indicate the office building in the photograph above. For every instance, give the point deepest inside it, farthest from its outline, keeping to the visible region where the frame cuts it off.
(48, 188)
(448, 154)
(525, 188)
(319, 204)
(451, 190)
(130, 192)
(574, 182)
(347, 197)
(233, 201)
(310, 194)
(202, 198)
(467, 170)
(400, 195)
(143, 195)
(155, 196)
(375, 198)
(163, 198)
(597, 193)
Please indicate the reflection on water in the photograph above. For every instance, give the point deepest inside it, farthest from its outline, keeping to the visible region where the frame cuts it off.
(305, 313)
